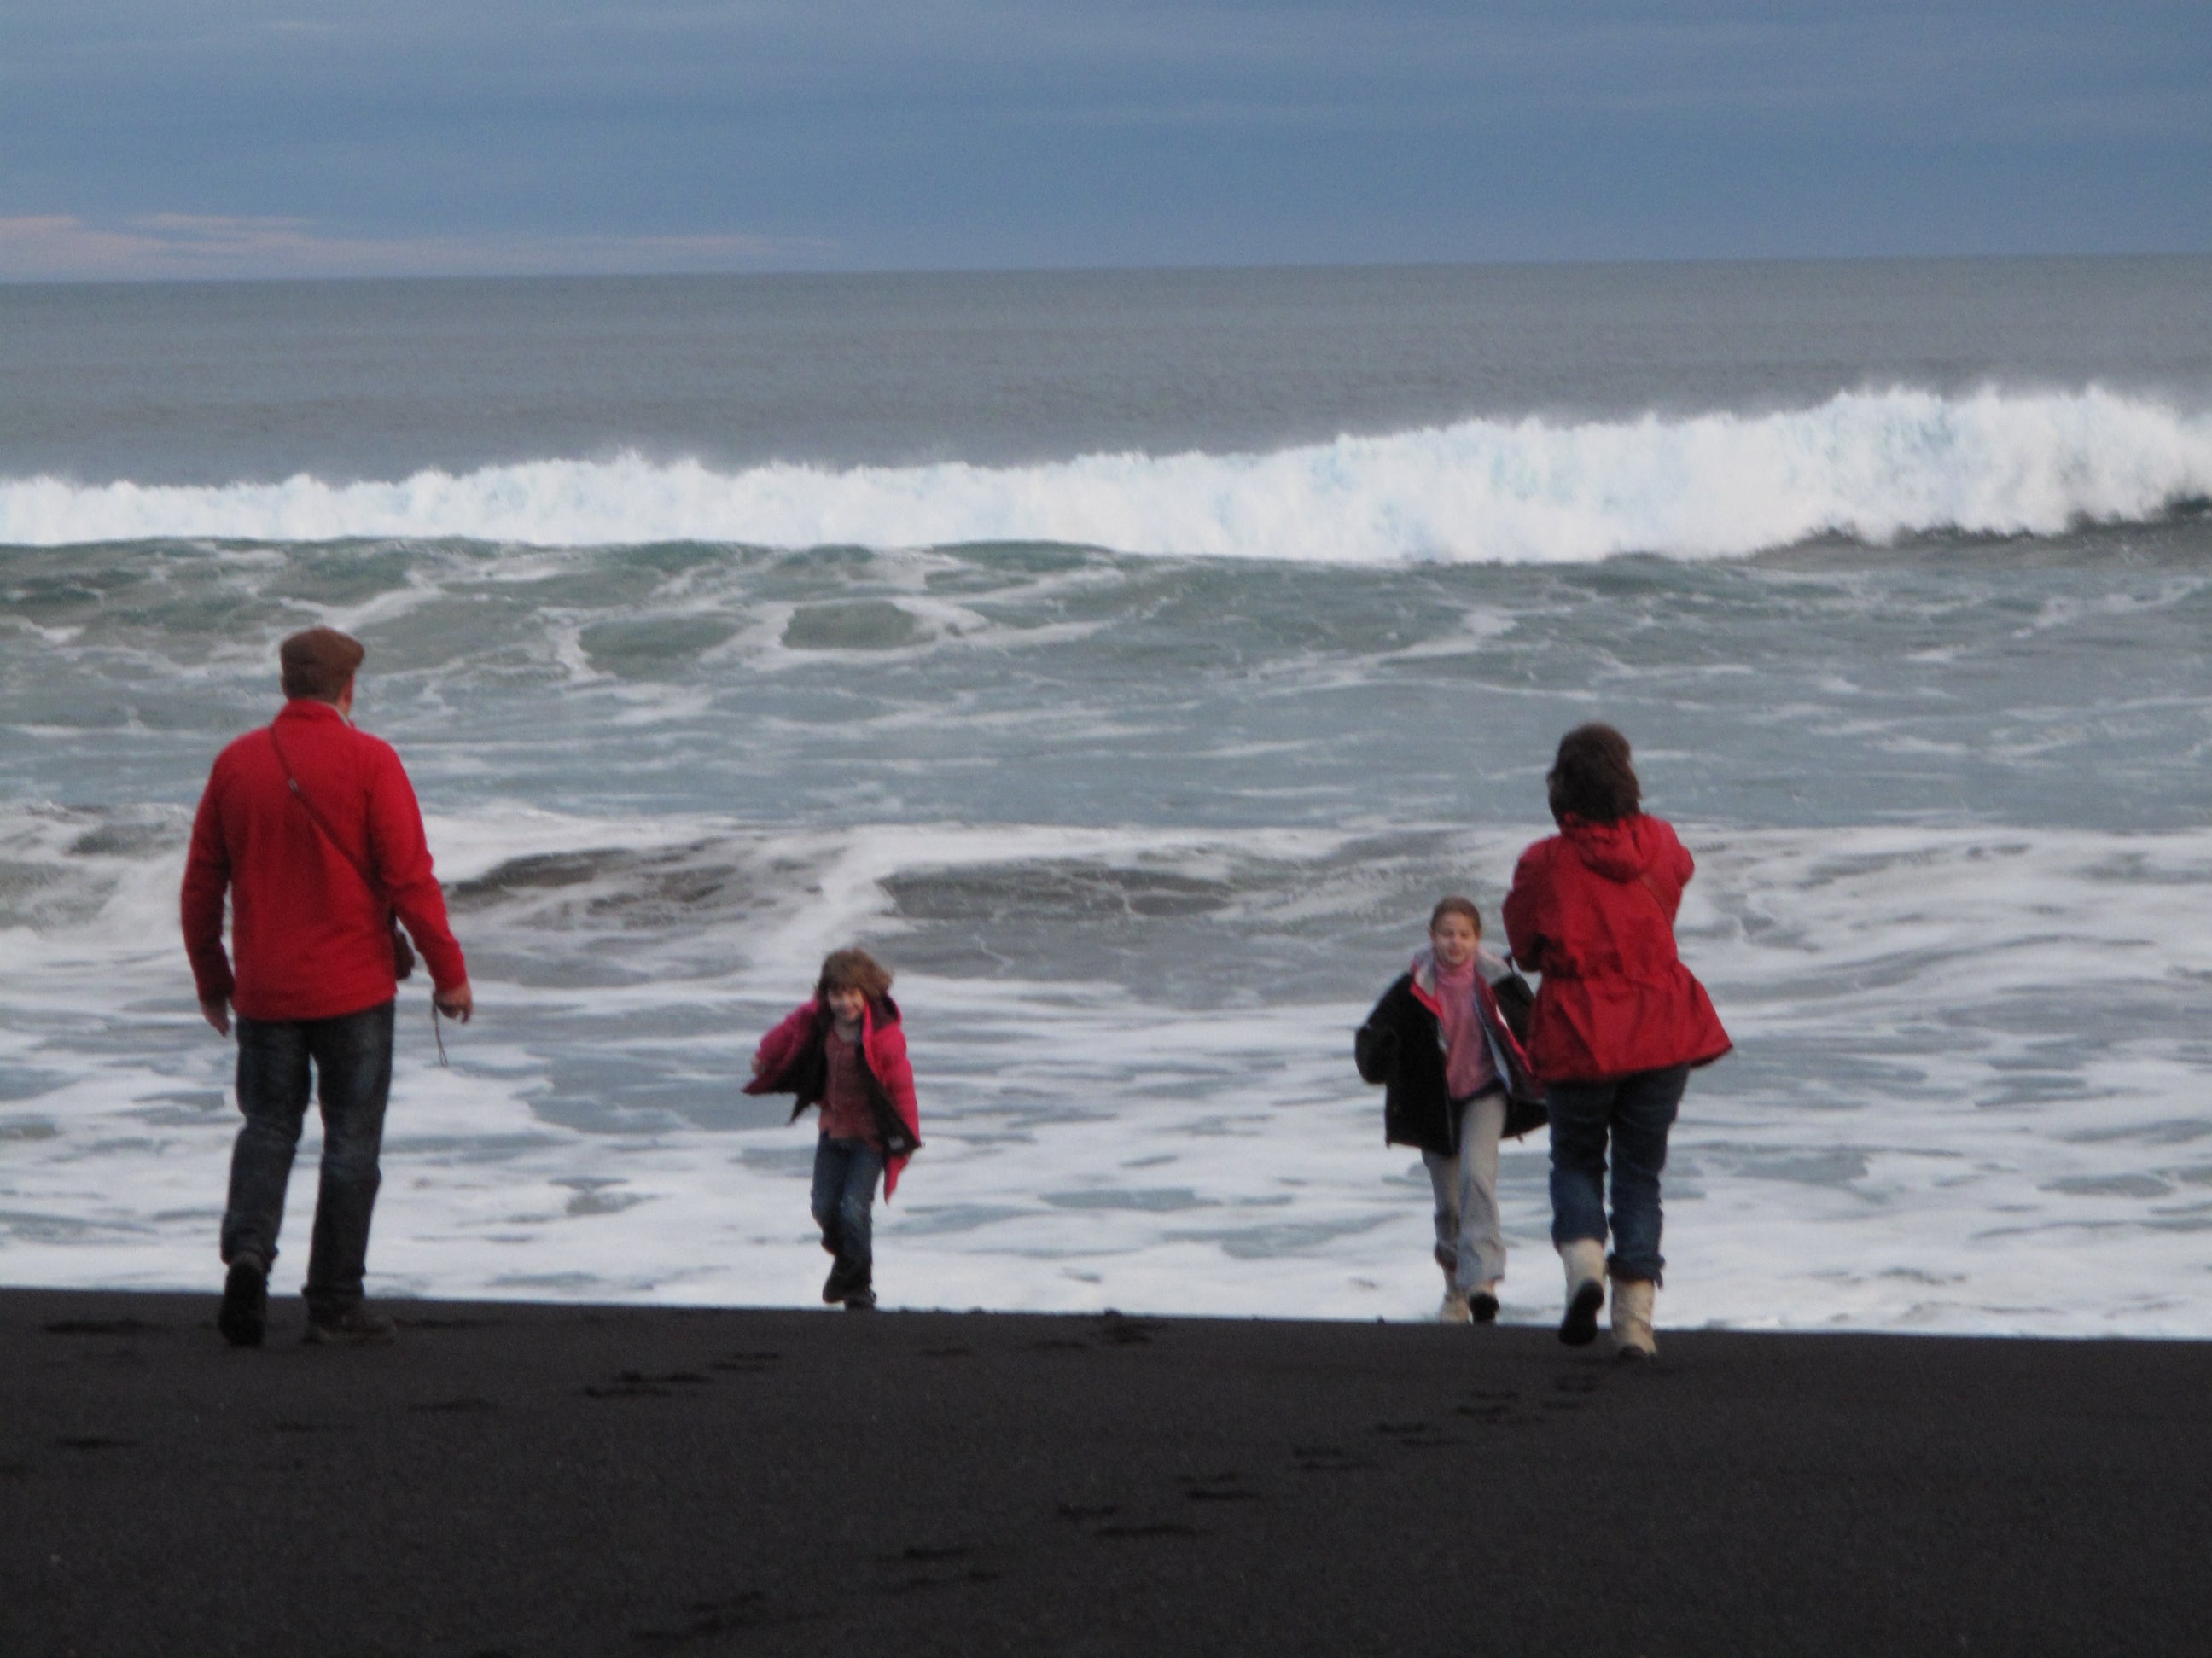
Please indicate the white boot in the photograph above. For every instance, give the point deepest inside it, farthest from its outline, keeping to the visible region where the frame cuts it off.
(1585, 1259)
(1631, 1318)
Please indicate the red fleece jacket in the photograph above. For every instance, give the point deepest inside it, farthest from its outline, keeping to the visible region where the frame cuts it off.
(311, 940)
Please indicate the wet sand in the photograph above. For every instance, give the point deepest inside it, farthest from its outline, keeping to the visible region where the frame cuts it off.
(542, 1480)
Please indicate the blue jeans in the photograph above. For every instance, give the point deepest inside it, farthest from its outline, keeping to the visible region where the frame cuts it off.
(1636, 1111)
(352, 1059)
(845, 1176)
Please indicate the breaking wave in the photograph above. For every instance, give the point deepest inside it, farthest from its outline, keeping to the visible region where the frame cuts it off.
(1868, 465)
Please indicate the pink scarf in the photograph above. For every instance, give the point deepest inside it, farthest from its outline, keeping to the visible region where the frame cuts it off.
(1468, 1067)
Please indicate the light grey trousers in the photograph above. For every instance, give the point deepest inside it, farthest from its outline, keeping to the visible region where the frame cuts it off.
(1470, 1243)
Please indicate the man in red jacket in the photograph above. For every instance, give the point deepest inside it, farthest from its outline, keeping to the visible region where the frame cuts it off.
(313, 828)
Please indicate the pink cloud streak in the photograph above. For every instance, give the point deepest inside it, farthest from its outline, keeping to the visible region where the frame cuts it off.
(174, 246)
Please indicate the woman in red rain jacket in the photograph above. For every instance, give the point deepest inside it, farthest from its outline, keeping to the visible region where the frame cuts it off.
(1617, 1024)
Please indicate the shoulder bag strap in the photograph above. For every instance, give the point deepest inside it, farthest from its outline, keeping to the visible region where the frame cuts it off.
(375, 887)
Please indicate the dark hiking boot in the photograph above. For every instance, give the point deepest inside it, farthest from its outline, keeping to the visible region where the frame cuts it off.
(1484, 1306)
(245, 1315)
(841, 1282)
(862, 1300)
(355, 1327)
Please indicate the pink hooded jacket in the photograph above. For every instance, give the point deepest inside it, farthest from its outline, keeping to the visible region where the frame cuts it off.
(791, 1061)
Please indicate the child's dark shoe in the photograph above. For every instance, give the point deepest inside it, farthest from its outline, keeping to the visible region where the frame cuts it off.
(1484, 1306)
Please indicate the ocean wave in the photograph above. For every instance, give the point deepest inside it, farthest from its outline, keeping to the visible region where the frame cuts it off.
(1873, 466)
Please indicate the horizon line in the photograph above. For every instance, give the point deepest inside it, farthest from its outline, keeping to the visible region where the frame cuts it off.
(230, 279)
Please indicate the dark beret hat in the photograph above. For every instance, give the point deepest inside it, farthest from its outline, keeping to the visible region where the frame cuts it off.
(320, 663)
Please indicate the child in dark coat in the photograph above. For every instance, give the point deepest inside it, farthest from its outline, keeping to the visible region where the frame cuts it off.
(1455, 1082)
(845, 1051)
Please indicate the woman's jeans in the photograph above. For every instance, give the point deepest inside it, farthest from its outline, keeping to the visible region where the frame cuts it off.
(1470, 1242)
(1636, 1112)
(352, 1059)
(845, 1176)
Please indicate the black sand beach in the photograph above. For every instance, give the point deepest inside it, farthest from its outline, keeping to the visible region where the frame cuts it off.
(528, 1479)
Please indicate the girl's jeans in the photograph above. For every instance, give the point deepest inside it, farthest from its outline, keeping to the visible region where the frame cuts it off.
(1636, 1112)
(352, 1059)
(845, 1176)
(1470, 1244)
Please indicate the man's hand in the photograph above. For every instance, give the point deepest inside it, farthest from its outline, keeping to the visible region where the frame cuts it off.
(456, 1003)
(217, 1013)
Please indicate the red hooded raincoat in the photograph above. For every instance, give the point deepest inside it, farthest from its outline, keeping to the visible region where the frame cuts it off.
(1592, 909)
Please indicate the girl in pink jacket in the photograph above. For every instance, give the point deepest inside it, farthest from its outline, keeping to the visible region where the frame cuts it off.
(845, 1051)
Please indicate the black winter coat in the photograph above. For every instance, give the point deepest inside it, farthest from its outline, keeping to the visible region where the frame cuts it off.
(1402, 1048)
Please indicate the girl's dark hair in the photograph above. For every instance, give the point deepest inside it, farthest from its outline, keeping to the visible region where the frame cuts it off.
(1592, 778)
(853, 969)
(1456, 905)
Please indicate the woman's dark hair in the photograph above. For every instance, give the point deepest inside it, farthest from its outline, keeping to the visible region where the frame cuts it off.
(853, 969)
(1592, 778)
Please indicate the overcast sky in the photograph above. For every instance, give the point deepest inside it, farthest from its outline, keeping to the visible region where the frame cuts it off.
(286, 138)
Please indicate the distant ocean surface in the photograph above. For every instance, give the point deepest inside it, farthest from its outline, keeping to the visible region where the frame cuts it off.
(1131, 659)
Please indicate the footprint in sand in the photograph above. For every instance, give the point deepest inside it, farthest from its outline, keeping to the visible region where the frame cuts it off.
(637, 1384)
(709, 1618)
(1225, 1487)
(746, 1363)
(1328, 1459)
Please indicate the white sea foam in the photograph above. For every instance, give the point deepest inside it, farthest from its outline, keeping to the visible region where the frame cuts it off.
(1967, 1094)
(1873, 465)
